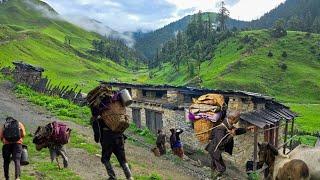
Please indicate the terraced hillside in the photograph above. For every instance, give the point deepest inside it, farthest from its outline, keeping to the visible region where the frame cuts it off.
(33, 32)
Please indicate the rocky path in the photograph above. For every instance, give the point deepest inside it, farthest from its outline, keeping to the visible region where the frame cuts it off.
(82, 163)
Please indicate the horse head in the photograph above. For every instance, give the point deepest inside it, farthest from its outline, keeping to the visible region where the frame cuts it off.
(267, 153)
(42, 133)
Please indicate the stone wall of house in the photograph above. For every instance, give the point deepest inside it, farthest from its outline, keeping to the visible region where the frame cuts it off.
(26, 76)
(244, 144)
(171, 119)
(241, 104)
(243, 147)
(175, 97)
(136, 93)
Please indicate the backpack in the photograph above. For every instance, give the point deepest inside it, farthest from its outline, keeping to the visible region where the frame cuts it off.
(60, 133)
(11, 130)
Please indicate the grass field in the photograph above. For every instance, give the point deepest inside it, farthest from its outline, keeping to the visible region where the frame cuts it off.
(28, 35)
(246, 66)
(309, 117)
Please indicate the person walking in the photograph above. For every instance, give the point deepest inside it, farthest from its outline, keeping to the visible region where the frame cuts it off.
(12, 134)
(111, 142)
(161, 142)
(175, 142)
(222, 141)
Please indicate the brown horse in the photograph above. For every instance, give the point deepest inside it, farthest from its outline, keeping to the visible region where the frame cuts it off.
(281, 168)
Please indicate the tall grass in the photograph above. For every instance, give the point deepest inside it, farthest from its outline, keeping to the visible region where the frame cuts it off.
(59, 107)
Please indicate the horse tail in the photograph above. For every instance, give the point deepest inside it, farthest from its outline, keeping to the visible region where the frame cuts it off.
(304, 173)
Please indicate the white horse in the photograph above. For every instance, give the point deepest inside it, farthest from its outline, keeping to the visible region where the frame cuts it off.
(302, 163)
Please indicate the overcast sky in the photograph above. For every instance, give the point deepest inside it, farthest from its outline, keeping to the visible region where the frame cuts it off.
(130, 15)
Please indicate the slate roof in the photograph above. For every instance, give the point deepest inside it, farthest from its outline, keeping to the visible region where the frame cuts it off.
(24, 65)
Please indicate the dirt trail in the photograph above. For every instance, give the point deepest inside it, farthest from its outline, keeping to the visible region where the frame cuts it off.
(85, 165)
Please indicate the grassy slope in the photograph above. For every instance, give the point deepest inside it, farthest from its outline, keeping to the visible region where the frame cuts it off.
(38, 40)
(237, 68)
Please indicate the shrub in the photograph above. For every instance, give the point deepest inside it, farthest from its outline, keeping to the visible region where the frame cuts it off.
(246, 39)
(284, 54)
(240, 47)
(313, 50)
(253, 176)
(283, 66)
(270, 54)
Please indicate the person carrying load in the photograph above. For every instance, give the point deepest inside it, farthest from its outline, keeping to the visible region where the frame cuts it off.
(12, 134)
(175, 142)
(109, 122)
(222, 141)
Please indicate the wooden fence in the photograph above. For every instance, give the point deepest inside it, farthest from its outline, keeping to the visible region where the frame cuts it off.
(45, 86)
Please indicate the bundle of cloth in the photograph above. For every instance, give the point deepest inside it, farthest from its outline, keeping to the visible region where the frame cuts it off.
(210, 107)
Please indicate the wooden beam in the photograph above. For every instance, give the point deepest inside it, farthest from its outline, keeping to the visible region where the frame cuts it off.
(255, 150)
(285, 137)
(277, 134)
(292, 126)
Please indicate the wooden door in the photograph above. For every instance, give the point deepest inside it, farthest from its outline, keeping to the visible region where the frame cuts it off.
(136, 116)
(150, 120)
(158, 121)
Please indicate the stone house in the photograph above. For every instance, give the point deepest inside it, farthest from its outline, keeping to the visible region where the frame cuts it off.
(26, 73)
(165, 107)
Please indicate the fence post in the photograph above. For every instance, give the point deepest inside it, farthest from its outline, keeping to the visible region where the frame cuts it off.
(255, 153)
(285, 137)
(292, 125)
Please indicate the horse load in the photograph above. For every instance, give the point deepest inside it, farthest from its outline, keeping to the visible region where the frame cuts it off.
(112, 106)
(207, 112)
(55, 133)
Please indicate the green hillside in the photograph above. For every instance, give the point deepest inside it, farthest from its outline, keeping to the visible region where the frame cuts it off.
(148, 43)
(27, 34)
(242, 62)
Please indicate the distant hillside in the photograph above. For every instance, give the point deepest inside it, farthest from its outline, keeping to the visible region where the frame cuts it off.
(302, 15)
(63, 49)
(287, 67)
(148, 43)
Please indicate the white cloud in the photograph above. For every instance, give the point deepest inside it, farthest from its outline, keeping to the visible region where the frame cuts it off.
(252, 9)
(130, 15)
(239, 9)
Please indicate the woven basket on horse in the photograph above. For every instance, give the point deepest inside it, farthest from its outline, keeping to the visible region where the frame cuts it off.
(206, 112)
(114, 116)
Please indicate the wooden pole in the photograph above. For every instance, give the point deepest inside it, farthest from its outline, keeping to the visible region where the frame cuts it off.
(277, 135)
(285, 137)
(292, 127)
(255, 150)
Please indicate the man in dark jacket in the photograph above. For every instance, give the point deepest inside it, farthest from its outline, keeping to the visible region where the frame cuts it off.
(161, 142)
(111, 142)
(222, 141)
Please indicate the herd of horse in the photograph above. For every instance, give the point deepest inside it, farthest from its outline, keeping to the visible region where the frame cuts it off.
(302, 163)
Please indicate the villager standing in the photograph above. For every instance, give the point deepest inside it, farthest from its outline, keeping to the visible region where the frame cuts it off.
(222, 141)
(175, 142)
(161, 142)
(11, 134)
(111, 142)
